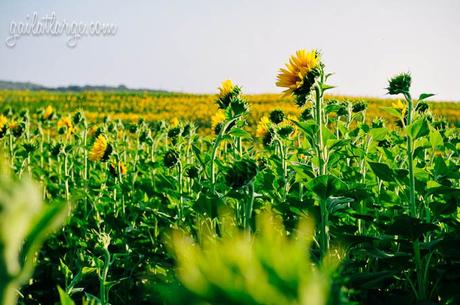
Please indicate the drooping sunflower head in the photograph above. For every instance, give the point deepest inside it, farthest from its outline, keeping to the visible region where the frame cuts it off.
(399, 84)
(217, 120)
(101, 149)
(300, 73)
(48, 113)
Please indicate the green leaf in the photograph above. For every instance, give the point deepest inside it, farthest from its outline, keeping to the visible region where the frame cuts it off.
(48, 221)
(424, 96)
(435, 138)
(419, 128)
(239, 132)
(64, 297)
(382, 171)
(378, 134)
(392, 111)
(326, 186)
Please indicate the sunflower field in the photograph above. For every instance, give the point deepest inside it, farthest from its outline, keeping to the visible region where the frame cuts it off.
(170, 198)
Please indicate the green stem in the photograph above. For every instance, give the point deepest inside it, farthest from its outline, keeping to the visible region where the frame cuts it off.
(214, 151)
(412, 203)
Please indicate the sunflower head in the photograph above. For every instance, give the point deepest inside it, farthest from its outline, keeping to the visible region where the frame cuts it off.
(307, 114)
(241, 173)
(116, 170)
(300, 73)
(287, 129)
(170, 158)
(399, 84)
(277, 116)
(16, 128)
(101, 149)
(174, 122)
(3, 125)
(398, 105)
(263, 126)
(217, 120)
(228, 92)
(192, 172)
(48, 113)
(65, 123)
(359, 106)
(422, 107)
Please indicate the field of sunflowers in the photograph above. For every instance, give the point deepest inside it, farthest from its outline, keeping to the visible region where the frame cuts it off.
(303, 198)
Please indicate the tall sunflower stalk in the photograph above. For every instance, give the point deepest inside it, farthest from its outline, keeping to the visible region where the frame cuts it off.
(304, 78)
(234, 107)
(400, 84)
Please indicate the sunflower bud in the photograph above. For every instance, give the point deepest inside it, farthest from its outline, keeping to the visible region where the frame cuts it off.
(358, 107)
(57, 149)
(277, 116)
(268, 138)
(421, 107)
(192, 172)
(400, 84)
(171, 158)
(286, 131)
(378, 123)
(241, 173)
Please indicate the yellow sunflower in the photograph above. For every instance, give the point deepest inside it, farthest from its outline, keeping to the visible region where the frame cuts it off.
(217, 119)
(48, 112)
(174, 122)
(262, 126)
(65, 122)
(100, 150)
(225, 88)
(13, 125)
(292, 77)
(121, 167)
(3, 121)
(400, 107)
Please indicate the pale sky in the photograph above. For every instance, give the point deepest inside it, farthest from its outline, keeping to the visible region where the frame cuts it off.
(191, 46)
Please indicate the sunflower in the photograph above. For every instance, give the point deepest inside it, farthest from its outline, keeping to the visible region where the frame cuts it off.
(65, 122)
(400, 107)
(262, 126)
(118, 169)
(294, 76)
(226, 88)
(174, 122)
(48, 112)
(101, 149)
(216, 121)
(3, 125)
(287, 128)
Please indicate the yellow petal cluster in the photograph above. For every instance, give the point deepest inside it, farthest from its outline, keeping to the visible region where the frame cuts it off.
(292, 77)
(217, 118)
(262, 126)
(98, 149)
(225, 88)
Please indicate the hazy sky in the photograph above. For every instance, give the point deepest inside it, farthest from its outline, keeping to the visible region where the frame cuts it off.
(193, 45)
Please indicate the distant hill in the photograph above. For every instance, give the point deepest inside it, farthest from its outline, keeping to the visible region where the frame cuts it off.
(8, 85)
